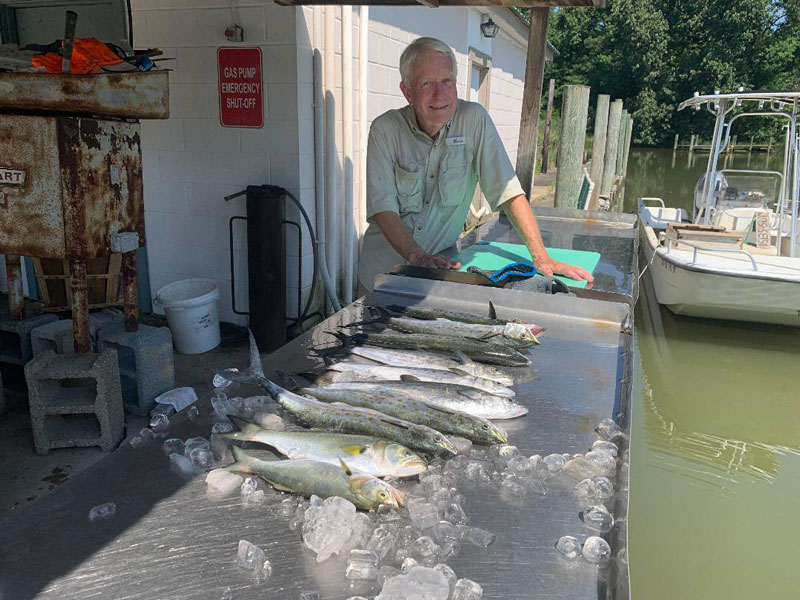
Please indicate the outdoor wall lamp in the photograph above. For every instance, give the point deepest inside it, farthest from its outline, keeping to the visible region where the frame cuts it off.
(489, 28)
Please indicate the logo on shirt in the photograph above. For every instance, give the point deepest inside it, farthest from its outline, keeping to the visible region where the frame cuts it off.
(458, 140)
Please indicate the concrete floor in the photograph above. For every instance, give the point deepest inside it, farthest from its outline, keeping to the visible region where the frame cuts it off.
(26, 476)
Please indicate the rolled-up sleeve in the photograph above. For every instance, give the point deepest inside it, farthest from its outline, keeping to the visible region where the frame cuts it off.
(496, 175)
(381, 186)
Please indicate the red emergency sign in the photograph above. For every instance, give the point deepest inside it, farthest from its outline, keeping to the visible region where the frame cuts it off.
(241, 87)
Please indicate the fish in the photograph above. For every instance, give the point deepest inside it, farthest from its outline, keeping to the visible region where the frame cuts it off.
(479, 350)
(416, 312)
(359, 371)
(363, 454)
(446, 397)
(342, 417)
(431, 360)
(513, 334)
(406, 406)
(312, 477)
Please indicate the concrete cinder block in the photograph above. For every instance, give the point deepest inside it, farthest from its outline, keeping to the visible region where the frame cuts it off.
(146, 363)
(15, 336)
(75, 400)
(57, 336)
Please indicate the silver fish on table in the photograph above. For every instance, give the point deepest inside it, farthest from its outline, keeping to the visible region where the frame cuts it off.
(312, 477)
(431, 360)
(342, 417)
(362, 453)
(416, 312)
(406, 406)
(513, 334)
(482, 351)
(446, 397)
(360, 371)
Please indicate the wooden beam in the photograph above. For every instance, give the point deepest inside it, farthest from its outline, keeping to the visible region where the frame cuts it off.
(569, 175)
(612, 143)
(532, 97)
(548, 119)
(599, 142)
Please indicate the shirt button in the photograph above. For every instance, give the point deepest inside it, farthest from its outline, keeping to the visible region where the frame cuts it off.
(432, 176)
(419, 227)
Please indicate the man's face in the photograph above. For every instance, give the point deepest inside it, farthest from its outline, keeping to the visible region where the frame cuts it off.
(432, 90)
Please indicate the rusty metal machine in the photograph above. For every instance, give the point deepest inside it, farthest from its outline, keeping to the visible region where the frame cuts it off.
(71, 177)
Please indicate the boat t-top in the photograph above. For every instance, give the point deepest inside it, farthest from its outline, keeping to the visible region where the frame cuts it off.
(738, 257)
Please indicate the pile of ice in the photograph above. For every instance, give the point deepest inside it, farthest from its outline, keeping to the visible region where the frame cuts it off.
(429, 583)
(333, 526)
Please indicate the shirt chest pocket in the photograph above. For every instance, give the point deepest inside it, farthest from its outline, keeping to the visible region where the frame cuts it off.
(454, 177)
(409, 189)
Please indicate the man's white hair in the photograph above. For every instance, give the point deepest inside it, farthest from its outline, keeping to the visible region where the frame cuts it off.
(415, 48)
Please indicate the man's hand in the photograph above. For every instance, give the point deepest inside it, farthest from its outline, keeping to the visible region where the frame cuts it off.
(433, 261)
(548, 266)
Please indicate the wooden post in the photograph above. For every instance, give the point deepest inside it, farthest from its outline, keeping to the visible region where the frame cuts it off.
(532, 97)
(628, 139)
(751, 144)
(769, 148)
(675, 145)
(623, 131)
(691, 143)
(612, 141)
(546, 141)
(599, 142)
(574, 114)
(732, 144)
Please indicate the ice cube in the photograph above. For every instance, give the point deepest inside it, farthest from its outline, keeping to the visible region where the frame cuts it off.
(408, 564)
(609, 447)
(554, 462)
(598, 518)
(455, 514)
(264, 573)
(466, 589)
(480, 537)
(181, 465)
(382, 540)
(463, 445)
(586, 489)
(159, 422)
(608, 429)
(195, 442)
(102, 511)
(568, 546)
(449, 573)
(147, 434)
(202, 459)
(520, 465)
(138, 441)
(288, 506)
(537, 463)
(512, 488)
(604, 488)
(193, 413)
(445, 531)
(387, 572)
(579, 468)
(249, 485)
(309, 595)
(173, 446)
(249, 556)
(334, 527)
(423, 514)
(606, 464)
(450, 549)
(596, 550)
(223, 481)
(271, 421)
(537, 486)
(420, 583)
(362, 565)
(426, 551)
(221, 427)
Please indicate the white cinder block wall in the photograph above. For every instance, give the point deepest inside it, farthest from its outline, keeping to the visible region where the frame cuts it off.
(191, 162)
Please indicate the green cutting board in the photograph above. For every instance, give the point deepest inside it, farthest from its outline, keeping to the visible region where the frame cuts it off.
(491, 256)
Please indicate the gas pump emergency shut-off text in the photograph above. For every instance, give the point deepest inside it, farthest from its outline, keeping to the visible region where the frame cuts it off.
(241, 87)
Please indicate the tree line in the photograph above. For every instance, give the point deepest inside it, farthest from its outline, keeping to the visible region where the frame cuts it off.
(653, 54)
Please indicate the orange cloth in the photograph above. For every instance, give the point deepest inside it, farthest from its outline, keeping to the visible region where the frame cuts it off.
(88, 55)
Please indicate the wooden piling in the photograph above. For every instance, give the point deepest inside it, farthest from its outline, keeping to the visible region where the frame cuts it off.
(623, 131)
(548, 119)
(628, 140)
(675, 145)
(574, 114)
(612, 141)
(599, 142)
(532, 97)
(691, 143)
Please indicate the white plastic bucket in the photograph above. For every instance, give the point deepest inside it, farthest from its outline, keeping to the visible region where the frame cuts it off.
(191, 307)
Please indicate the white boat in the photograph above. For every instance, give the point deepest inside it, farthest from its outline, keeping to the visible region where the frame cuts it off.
(738, 258)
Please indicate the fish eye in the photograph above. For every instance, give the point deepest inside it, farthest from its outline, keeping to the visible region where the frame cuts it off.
(437, 439)
(485, 426)
(408, 453)
(382, 495)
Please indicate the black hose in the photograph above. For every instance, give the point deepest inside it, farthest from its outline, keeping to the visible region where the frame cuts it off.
(315, 279)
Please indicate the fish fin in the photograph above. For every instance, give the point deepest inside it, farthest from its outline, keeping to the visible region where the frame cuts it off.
(256, 368)
(462, 357)
(492, 311)
(235, 435)
(278, 486)
(354, 449)
(237, 376)
(241, 460)
(458, 371)
(475, 339)
(413, 378)
(345, 467)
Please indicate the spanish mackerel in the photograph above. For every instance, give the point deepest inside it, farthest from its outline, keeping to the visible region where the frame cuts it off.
(451, 398)
(312, 477)
(362, 453)
(431, 360)
(405, 406)
(342, 417)
(416, 312)
(479, 350)
(359, 371)
(518, 334)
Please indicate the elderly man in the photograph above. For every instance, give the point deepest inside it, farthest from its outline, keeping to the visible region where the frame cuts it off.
(423, 163)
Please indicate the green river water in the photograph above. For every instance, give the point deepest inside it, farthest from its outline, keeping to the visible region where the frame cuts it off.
(715, 451)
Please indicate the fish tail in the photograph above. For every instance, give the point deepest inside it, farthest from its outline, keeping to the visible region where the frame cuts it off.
(242, 461)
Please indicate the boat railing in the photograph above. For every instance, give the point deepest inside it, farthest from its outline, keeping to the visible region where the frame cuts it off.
(651, 199)
(698, 248)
